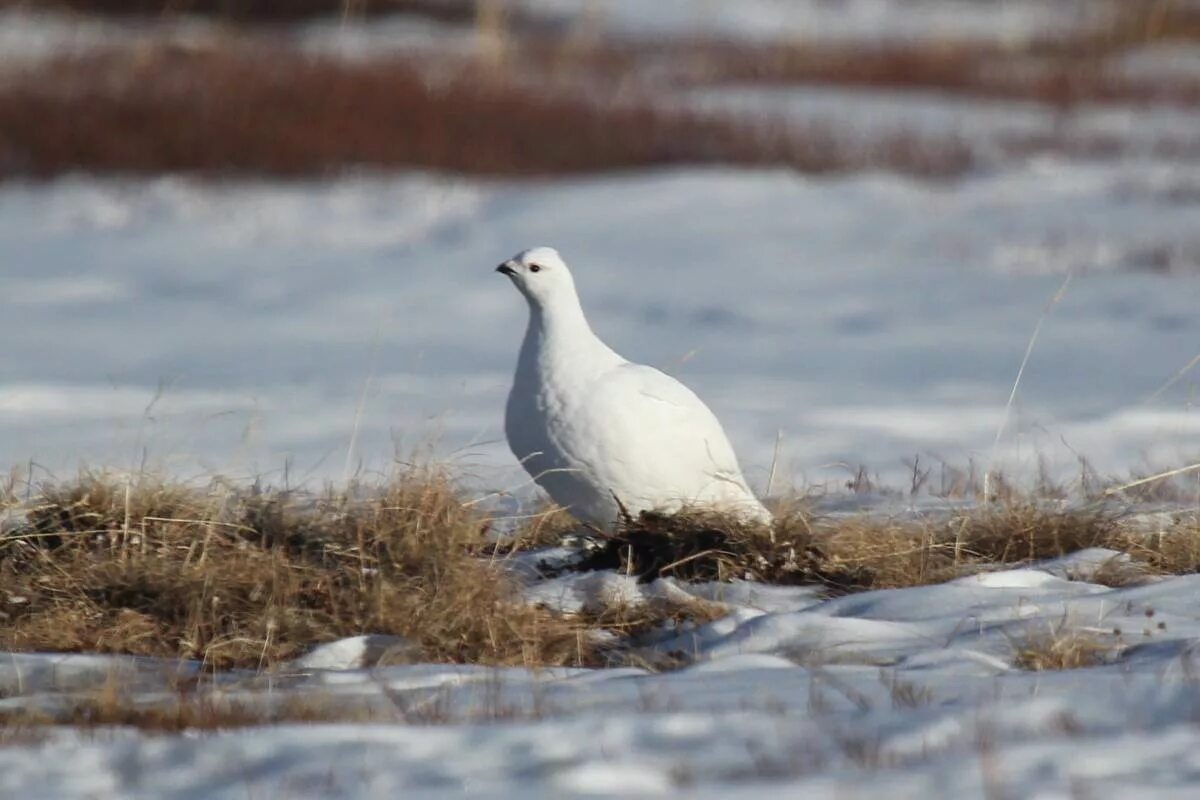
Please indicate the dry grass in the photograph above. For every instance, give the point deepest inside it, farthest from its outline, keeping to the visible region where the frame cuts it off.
(1063, 649)
(1174, 549)
(253, 578)
(851, 553)
(545, 526)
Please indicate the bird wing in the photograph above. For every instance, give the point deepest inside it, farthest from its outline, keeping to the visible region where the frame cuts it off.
(659, 427)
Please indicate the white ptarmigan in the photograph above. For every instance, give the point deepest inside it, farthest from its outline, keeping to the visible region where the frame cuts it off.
(593, 429)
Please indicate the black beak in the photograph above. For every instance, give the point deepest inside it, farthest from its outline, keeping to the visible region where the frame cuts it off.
(505, 269)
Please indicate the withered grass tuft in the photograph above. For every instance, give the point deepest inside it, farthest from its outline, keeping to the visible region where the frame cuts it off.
(851, 552)
(1065, 649)
(249, 578)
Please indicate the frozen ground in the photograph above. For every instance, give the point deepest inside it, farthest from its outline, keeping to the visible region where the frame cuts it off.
(236, 327)
(904, 693)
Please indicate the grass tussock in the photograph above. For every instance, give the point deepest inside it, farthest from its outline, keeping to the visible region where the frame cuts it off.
(1172, 549)
(238, 578)
(850, 553)
(1059, 650)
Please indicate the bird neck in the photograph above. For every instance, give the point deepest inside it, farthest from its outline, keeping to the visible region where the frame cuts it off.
(559, 337)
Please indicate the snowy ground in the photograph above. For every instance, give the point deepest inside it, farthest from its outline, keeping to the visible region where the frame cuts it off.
(869, 318)
(904, 693)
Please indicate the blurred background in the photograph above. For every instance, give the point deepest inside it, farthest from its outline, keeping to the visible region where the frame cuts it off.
(257, 238)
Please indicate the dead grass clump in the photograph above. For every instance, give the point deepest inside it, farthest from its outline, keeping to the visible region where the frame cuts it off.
(1013, 533)
(547, 526)
(1063, 649)
(252, 578)
(1174, 550)
(848, 553)
(1117, 572)
(701, 545)
(899, 553)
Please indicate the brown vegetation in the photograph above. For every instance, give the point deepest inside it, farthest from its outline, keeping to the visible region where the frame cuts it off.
(250, 109)
(859, 552)
(1063, 649)
(1174, 550)
(534, 101)
(253, 577)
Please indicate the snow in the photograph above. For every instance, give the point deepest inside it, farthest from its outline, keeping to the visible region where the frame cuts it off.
(909, 692)
(871, 318)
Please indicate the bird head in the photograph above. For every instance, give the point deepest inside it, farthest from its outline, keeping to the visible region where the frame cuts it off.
(540, 274)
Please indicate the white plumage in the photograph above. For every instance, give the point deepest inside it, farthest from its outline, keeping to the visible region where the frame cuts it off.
(592, 428)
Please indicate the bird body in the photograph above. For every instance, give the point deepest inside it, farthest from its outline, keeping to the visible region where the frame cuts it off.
(600, 434)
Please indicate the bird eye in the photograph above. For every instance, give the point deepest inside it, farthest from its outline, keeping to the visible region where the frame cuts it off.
(535, 268)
